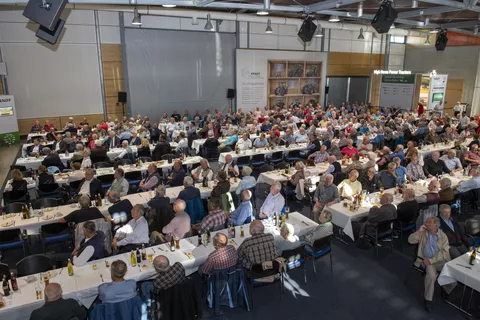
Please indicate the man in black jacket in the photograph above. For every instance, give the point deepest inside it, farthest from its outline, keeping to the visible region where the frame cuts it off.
(112, 141)
(222, 187)
(56, 307)
(407, 210)
(456, 238)
(434, 166)
(162, 148)
(52, 159)
(90, 186)
(154, 133)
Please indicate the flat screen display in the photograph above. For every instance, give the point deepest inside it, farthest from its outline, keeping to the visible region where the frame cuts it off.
(6, 111)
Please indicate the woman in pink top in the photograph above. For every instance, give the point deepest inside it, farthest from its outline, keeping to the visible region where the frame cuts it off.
(349, 150)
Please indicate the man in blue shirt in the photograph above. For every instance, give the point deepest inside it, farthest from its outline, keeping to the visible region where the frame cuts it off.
(398, 152)
(244, 210)
(119, 289)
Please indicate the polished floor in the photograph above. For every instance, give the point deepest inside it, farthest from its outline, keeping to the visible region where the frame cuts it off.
(7, 158)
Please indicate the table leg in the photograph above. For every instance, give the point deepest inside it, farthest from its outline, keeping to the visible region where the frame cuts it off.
(460, 305)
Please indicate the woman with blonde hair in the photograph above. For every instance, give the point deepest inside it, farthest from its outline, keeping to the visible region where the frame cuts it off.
(19, 184)
(143, 149)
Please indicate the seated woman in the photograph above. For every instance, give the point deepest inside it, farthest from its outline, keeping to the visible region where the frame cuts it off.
(287, 240)
(143, 150)
(324, 229)
(19, 184)
(299, 174)
(415, 170)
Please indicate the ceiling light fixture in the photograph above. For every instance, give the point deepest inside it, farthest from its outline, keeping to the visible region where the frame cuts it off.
(319, 32)
(169, 5)
(269, 27)
(334, 19)
(360, 36)
(414, 4)
(133, 2)
(208, 25)
(262, 13)
(360, 10)
(266, 8)
(137, 19)
(427, 41)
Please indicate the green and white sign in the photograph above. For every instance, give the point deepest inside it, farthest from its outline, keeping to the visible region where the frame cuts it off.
(8, 122)
(397, 90)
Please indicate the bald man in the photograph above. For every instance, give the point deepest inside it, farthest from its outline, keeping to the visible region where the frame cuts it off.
(179, 226)
(257, 248)
(224, 256)
(56, 308)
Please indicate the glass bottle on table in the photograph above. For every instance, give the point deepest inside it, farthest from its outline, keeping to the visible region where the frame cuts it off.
(133, 259)
(13, 281)
(287, 211)
(473, 256)
(172, 243)
(242, 232)
(5, 286)
(138, 256)
(70, 268)
(144, 253)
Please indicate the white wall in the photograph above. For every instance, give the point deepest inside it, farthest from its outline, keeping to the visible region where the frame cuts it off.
(396, 58)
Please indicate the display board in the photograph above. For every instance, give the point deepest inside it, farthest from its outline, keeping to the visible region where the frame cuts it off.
(8, 121)
(397, 90)
(436, 96)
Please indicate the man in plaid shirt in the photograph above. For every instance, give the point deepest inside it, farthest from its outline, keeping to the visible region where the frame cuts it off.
(215, 218)
(168, 276)
(224, 256)
(258, 248)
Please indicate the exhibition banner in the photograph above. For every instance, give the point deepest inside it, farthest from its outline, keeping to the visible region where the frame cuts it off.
(8, 121)
(438, 87)
(397, 91)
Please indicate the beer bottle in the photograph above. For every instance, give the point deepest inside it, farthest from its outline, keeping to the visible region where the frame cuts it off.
(139, 256)
(199, 238)
(205, 182)
(138, 163)
(99, 200)
(13, 280)
(473, 256)
(133, 259)
(5, 286)
(70, 268)
(172, 243)
(30, 212)
(144, 253)
(242, 233)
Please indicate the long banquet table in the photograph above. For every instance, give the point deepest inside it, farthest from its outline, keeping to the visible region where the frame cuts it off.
(51, 215)
(343, 217)
(83, 285)
(252, 152)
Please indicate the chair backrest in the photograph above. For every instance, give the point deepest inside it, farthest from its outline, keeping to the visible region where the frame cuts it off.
(45, 202)
(169, 157)
(125, 310)
(262, 190)
(258, 158)
(8, 236)
(472, 227)
(75, 184)
(106, 178)
(178, 302)
(243, 160)
(100, 225)
(48, 187)
(260, 273)
(277, 155)
(33, 264)
(282, 165)
(133, 175)
(384, 226)
(27, 174)
(338, 177)
(21, 168)
(54, 229)
(265, 168)
(321, 244)
(194, 208)
(14, 207)
(102, 164)
(294, 154)
(295, 257)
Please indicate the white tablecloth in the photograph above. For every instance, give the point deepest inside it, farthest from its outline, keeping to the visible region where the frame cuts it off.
(33, 163)
(438, 147)
(83, 285)
(455, 270)
(251, 152)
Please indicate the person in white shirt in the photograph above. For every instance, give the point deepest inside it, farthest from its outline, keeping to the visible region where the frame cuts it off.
(300, 136)
(202, 171)
(76, 174)
(171, 127)
(273, 203)
(471, 184)
(182, 142)
(464, 121)
(457, 109)
(230, 168)
(182, 126)
(86, 162)
(91, 247)
(245, 143)
(452, 162)
(134, 233)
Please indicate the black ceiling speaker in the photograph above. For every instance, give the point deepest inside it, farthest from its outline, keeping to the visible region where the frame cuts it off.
(50, 36)
(384, 18)
(307, 30)
(442, 40)
(45, 12)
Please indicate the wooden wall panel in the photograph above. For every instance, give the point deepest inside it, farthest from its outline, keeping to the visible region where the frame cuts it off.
(111, 52)
(353, 64)
(375, 89)
(112, 67)
(454, 93)
(25, 125)
(112, 70)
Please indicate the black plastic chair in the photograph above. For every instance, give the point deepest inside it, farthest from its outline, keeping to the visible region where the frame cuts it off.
(5, 270)
(16, 196)
(106, 180)
(276, 157)
(33, 264)
(472, 230)
(242, 162)
(21, 168)
(338, 177)
(282, 165)
(319, 249)
(257, 273)
(46, 203)
(56, 233)
(27, 174)
(295, 259)
(48, 190)
(293, 156)
(73, 186)
(133, 177)
(14, 207)
(10, 239)
(258, 160)
(381, 231)
(145, 159)
(401, 226)
(101, 165)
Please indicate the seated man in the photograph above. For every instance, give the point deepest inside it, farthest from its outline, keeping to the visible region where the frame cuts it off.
(55, 306)
(370, 181)
(415, 170)
(287, 240)
(76, 174)
(202, 171)
(349, 150)
(244, 143)
(178, 227)
(434, 166)
(175, 179)
(472, 157)
(247, 181)
(222, 187)
(428, 203)
(152, 179)
(408, 208)
(37, 127)
(325, 195)
(274, 202)
(320, 156)
(351, 186)
(215, 219)
(243, 211)
(355, 165)
(120, 210)
(451, 161)
(92, 246)
(224, 256)
(134, 233)
(190, 191)
(90, 186)
(258, 248)
(229, 166)
(389, 177)
(456, 237)
(322, 230)
(433, 253)
(83, 214)
(471, 184)
(260, 142)
(120, 184)
(35, 149)
(52, 159)
(446, 192)
(376, 215)
(119, 289)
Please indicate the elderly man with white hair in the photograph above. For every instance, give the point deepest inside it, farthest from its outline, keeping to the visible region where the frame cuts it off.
(230, 168)
(320, 156)
(471, 184)
(365, 146)
(428, 202)
(386, 212)
(190, 191)
(398, 152)
(244, 211)
(325, 195)
(244, 143)
(451, 161)
(55, 305)
(301, 136)
(350, 186)
(349, 150)
(203, 171)
(180, 224)
(273, 203)
(247, 181)
(434, 166)
(134, 233)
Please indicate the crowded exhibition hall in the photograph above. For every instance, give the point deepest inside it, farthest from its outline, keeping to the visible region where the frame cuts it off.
(231, 160)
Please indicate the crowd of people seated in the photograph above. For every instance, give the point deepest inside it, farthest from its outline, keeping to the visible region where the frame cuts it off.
(389, 139)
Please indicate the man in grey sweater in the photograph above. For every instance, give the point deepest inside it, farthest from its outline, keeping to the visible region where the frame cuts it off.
(325, 195)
